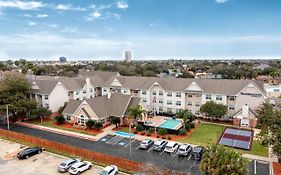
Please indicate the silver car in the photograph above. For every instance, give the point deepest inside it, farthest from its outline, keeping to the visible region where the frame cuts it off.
(66, 164)
(184, 149)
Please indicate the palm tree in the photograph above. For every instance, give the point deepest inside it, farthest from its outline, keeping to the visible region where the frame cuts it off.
(218, 159)
(135, 112)
(186, 115)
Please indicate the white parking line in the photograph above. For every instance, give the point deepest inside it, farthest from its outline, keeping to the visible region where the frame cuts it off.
(162, 152)
(189, 157)
(175, 154)
(150, 149)
(138, 147)
(129, 142)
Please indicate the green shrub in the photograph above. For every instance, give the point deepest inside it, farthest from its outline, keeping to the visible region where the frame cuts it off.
(169, 137)
(162, 131)
(142, 133)
(150, 130)
(157, 136)
(90, 123)
(98, 125)
(182, 132)
(139, 128)
(163, 137)
(187, 126)
(192, 125)
(135, 132)
(148, 134)
(60, 120)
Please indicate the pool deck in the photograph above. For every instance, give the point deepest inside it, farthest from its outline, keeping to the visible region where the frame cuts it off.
(158, 120)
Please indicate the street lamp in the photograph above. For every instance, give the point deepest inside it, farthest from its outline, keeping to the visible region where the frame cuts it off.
(130, 139)
(8, 121)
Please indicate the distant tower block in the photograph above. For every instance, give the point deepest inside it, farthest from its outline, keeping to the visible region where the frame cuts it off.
(128, 56)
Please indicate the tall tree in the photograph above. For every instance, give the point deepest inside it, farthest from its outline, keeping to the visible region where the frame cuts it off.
(41, 113)
(220, 160)
(270, 123)
(213, 110)
(135, 113)
(186, 115)
(14, 92)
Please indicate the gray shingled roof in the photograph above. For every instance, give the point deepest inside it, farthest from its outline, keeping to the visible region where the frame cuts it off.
(72, 84)
(103, 106)
(45, 86)
(214, 86)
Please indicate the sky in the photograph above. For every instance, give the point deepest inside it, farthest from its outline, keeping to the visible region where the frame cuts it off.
(151, 29)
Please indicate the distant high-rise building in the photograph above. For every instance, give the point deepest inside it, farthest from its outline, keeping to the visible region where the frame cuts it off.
(62, 59)
(128, 56)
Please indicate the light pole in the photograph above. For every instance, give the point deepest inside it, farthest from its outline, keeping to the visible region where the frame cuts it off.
(130, 139)
(8, 122)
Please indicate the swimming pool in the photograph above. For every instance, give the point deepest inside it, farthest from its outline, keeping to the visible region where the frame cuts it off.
(170, 124)
(123, 134)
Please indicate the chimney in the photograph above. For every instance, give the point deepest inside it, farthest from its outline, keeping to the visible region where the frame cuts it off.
(109, 95)
(245, 111)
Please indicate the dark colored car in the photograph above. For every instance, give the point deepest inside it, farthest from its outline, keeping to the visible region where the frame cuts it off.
(28, 152)
(160, 145)
(197, 152)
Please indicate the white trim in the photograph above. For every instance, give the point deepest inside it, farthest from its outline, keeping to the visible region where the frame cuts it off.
(156, 83)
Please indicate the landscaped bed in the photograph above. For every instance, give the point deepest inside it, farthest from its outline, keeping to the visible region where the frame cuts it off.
(207, 133)
(66, 126)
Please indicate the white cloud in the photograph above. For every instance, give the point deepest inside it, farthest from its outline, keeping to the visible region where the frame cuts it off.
(42, 15)
(221, 1)
(92, 6)
(22, 5)
(66, 7)
(102, 16)
(95, 14)
(32, 23)
(27, 15)
(122, 4)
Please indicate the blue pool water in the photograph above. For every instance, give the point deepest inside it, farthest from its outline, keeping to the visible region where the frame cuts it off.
(170, 124)
(123, 134)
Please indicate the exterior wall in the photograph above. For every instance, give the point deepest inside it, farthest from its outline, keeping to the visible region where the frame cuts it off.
(273, 91)
(57, 98)
(193, 102)
(250, 96)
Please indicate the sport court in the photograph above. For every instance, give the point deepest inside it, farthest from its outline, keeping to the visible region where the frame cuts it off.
(237, 138)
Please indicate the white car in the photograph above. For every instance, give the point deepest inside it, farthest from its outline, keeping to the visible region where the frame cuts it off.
(171, 147)
(80, 167)
(66, 164)
(109, 170)
(184, 149)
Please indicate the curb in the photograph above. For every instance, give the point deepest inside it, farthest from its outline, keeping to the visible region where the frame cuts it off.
(55, 131)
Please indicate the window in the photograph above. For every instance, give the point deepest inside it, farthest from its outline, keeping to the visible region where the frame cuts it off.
(197, 113)
(169, 102)
(69, 94)
(144, 100)
(208, 97)
(104, 90)
(92, 90)
(189, 95)
(136, 92)
(232, 98)
(160, 101)
(84, 91)
(81, 120)
(154, 93)
(46, 97)
(160, 92)
(178, 94)
(160, 109)
(47, 106)
(125, 91)
(197, 104)
(276, 90)
(219, 97)
(178, 103)
(169, 94)
(198, 95)
(178, 110)
(77, 93)
(143, 92)
(169, 110)
(68, 117)
(230, 107)
(189, 103)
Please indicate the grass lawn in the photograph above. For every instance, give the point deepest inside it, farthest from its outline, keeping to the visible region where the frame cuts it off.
(126, 129)
(209, 133)
(50, 123)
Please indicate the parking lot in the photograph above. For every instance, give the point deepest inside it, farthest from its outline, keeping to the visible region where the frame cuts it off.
(172, 161)
(121, 149)
(41, 164)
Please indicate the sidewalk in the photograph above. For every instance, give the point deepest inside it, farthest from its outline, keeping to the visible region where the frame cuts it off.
(59, 131)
